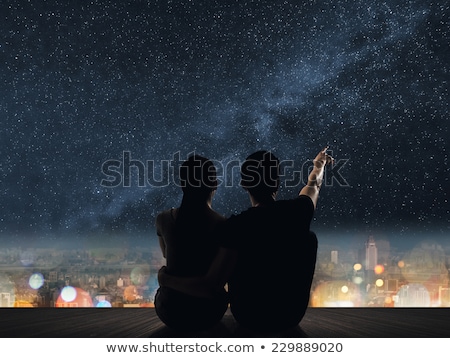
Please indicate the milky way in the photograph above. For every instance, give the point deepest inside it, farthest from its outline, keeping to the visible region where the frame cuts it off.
(82, 83)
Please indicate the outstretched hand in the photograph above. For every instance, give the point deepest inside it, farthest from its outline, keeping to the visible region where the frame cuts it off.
(323, 158)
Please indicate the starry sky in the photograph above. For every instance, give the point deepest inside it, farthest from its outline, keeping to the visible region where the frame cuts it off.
(84, 82)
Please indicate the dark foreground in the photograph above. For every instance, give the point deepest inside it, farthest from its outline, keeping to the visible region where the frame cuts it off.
(143, 322)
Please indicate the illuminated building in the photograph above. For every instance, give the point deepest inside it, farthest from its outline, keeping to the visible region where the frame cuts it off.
(412, 295)
(371, 254)
(444, 296)
(334, 257)
(5, 299)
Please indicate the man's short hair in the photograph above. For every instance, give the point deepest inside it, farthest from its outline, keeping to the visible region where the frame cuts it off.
(260, 174)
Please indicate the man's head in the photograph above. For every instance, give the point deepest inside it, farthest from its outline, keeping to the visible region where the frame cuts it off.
(260, 175)
(198, 176)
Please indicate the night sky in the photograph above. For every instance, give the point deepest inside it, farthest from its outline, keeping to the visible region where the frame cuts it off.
(83, 82)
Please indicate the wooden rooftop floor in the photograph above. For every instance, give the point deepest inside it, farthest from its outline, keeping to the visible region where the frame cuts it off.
(143, 322)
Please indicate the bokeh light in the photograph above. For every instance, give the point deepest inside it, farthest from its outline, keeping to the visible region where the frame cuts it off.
(130, 293)
(379, 269)
(103, 304)
(68, 293)
(357, 280)
(401, 264)
(336, 294)
(357, 267)
(140, 274)
(73, 297)
(379, 282)
(36, 281)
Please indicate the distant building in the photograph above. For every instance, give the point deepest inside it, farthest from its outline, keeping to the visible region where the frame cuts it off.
(391, 285)
(412, 295)
(5, 299)
(444, 296)
(120, 282)
(334, 257)
(371, 254)
(53, 276)
(102, 282)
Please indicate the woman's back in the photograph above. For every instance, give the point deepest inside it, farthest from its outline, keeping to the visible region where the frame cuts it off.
(190, 245)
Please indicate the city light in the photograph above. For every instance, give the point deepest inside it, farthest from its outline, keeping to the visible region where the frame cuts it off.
(357, 280)
(357, 267)
(130, 293)
(336, 294)
(140, 274)
(68, 294)
(379, 269)
(103, 304)
(73, 297)
(36, 281)
(378, 275)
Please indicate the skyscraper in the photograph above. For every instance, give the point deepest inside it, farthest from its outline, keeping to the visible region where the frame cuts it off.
(334, 257)
(371, 254)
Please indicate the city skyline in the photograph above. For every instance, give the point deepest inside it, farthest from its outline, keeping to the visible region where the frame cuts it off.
(113, 277)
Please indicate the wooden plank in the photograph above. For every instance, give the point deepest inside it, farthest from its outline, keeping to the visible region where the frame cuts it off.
(317, 323)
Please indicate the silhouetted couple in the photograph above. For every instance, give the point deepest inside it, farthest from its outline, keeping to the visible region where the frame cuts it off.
(266, 254)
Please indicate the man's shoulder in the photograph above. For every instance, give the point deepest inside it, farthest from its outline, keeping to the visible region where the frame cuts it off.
(301, 202)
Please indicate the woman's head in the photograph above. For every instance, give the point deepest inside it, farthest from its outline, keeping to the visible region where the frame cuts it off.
(198, 176)
(198, 181)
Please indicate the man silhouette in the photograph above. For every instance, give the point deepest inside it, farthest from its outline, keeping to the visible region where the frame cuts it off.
(267, 253)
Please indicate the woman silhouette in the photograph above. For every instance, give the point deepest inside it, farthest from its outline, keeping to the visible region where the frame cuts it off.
(187, 241)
